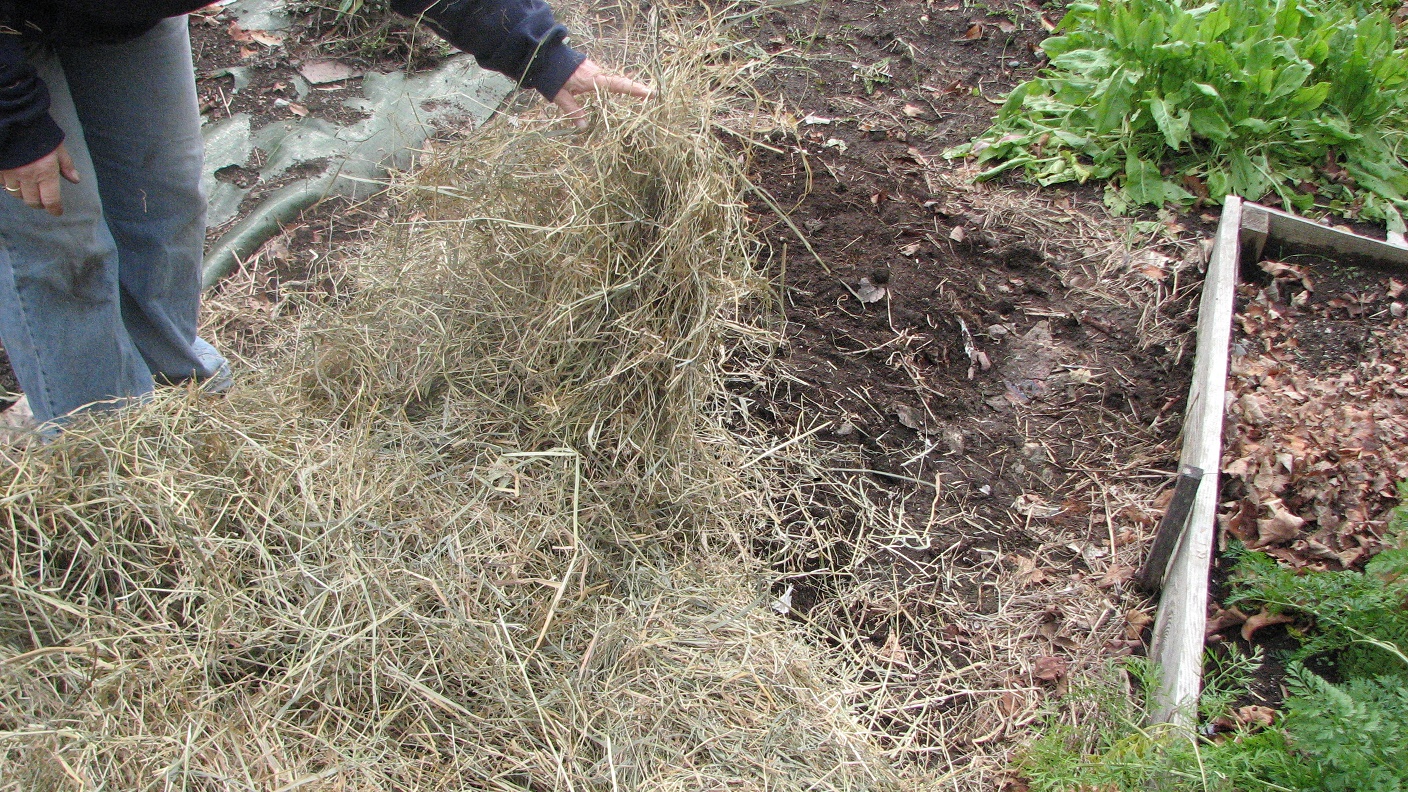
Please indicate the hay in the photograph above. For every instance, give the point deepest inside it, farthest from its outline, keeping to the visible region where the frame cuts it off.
(470, 529)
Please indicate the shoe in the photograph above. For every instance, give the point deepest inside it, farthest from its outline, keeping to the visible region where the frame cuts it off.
(220, 382)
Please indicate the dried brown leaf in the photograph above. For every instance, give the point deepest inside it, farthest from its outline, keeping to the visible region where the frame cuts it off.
(1117, 573)
(1263, 618)
(1281, 526)
(1050, 668)
(1254, 715)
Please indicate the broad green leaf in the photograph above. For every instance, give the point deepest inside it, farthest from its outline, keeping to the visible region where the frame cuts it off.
(1143, 182)
(1174, 127)
(1207, 90)
(1214, 25)
(1291, 78)
(1217, 182)
(1018, 95)
(1114, 104)
(1309, 98)
(1116, 200)
(1256, 126)
(1210, 124)
(1248, 95)
(1083, 61)
(1246, 178)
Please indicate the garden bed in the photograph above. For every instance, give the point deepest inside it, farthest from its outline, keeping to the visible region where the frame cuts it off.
(1314, 449)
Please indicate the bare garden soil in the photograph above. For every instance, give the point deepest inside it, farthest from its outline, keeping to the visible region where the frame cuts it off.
(1006, 385)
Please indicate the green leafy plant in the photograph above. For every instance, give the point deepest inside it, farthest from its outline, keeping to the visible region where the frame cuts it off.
(1359, 618)
(1109, 747)
(1303, 100)
(1344, 736)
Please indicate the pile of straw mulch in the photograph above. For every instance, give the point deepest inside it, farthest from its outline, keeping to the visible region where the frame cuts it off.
(472, 527)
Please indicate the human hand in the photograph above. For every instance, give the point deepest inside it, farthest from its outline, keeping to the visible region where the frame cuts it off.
(37, 184)
(588, 77)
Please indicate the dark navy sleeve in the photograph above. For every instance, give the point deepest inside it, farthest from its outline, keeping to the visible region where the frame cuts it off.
(519, 38)
(26, 130)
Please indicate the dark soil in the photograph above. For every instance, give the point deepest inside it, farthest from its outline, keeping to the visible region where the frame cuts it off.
(880, 92)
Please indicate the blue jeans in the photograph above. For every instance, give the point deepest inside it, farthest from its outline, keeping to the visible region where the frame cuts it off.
(99, 305)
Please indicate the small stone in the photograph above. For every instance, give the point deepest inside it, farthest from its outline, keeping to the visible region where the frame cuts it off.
(1396, 309)
(997, 331)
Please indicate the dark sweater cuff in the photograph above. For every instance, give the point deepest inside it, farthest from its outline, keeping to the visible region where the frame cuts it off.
(558, 65)
(29, 142)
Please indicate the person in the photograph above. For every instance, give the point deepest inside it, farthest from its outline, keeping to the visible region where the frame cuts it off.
(102, 220)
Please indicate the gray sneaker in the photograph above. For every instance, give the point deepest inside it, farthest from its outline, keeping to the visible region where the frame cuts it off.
(220, 382)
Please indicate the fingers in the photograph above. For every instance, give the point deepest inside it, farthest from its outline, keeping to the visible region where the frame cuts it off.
(29, 193)
(571, 108)
(589, 77)
(49, 198)
(66, 166)
(37, 184)
(614, 83)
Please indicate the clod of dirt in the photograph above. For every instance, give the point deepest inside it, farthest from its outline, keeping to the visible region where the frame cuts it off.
(910, 418)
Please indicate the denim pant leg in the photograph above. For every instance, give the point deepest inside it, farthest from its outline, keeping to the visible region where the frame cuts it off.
(138, 107)
(60, 307)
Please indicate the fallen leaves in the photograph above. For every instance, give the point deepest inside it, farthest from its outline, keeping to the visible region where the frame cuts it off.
(1050, 668)
(1034, 506)
(1263, 618)
(1281, 526)
(322, 72)
(1314, 445)
(1028, 573)
(1252, 717)
(265, 37)
(1222, 618)
(868, 291)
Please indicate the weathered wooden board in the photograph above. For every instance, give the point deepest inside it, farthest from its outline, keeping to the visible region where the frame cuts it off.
(1182, 618)
(1260, 223)
(1244, 230)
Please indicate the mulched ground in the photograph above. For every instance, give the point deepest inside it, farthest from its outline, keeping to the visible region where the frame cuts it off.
(1009, 391)
(1017, 424)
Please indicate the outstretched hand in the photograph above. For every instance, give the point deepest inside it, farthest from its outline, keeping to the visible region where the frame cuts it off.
(37, 184)
(587, 78)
